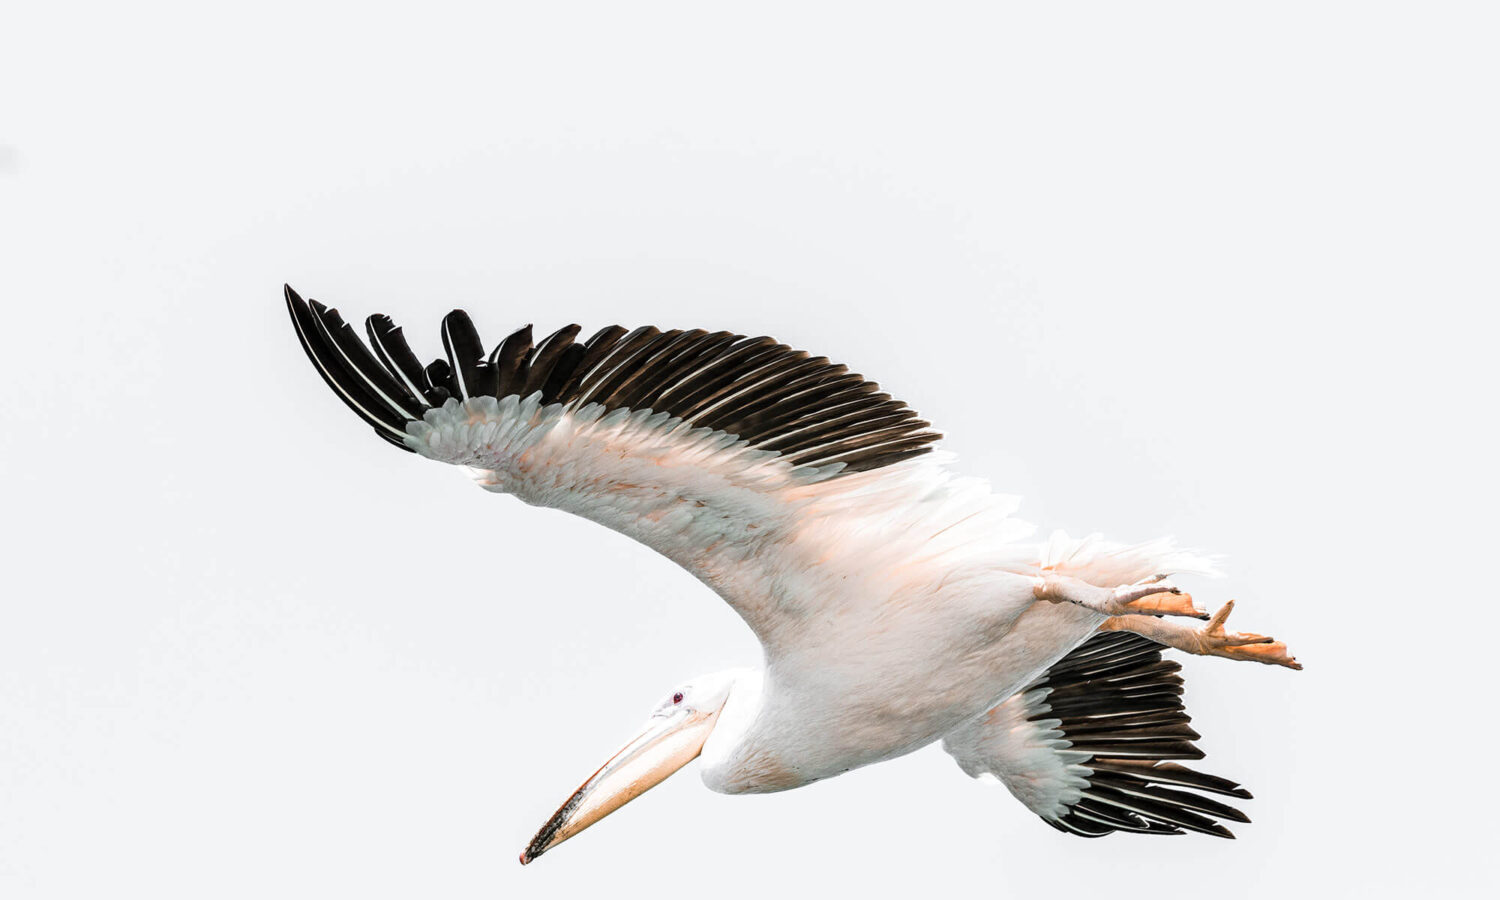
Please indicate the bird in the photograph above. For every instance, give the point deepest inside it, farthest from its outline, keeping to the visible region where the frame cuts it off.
(897, 603)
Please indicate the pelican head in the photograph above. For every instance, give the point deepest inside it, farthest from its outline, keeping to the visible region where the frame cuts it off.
(672, 737)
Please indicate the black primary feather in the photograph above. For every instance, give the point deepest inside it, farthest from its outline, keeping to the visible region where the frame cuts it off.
(352, 351)
(440, 374)
(395, 354)
(350, 387)
(461, 343)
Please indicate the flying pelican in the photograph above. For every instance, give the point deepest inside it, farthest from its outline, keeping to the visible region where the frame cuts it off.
(897, 603)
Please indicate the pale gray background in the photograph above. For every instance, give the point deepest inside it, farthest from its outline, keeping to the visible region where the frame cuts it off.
(1225, 275)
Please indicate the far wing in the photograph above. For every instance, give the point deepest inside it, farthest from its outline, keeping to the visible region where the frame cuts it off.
(1088, 745)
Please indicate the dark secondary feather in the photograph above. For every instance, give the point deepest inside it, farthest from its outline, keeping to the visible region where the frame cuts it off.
(1118, 700)
(509, 359)
(812, 411)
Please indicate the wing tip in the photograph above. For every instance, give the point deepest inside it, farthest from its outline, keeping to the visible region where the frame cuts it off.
(1118, 700)
(753, 388)
(319, 330)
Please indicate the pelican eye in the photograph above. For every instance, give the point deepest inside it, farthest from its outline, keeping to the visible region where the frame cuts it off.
(677, 697)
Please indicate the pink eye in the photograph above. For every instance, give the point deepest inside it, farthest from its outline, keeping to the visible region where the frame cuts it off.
(677, 698)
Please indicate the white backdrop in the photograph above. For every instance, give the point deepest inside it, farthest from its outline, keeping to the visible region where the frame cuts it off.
(1160, 268)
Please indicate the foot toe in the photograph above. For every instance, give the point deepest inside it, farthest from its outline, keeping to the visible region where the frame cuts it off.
(1273, 653)
(1172, 603)
(1241, 638)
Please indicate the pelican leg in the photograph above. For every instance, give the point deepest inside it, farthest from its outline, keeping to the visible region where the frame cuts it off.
(1208, 639)
(1152, 597)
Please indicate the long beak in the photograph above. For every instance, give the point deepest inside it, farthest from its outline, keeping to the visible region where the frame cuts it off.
(668, 742)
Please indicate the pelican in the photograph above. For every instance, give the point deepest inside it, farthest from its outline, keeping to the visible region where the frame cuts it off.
(897, 604)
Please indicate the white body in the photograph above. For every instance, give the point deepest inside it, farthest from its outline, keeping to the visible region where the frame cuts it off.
(894, 605)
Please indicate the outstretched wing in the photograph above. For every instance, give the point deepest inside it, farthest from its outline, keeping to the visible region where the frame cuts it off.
(702, 445)
(1087, 746)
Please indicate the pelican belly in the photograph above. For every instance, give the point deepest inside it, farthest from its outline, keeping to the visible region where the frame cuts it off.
(813, 723)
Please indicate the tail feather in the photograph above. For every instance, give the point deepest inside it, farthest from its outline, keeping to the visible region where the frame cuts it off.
(1098, 561)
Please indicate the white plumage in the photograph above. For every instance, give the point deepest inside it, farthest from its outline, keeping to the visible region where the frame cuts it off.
(897, 603)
